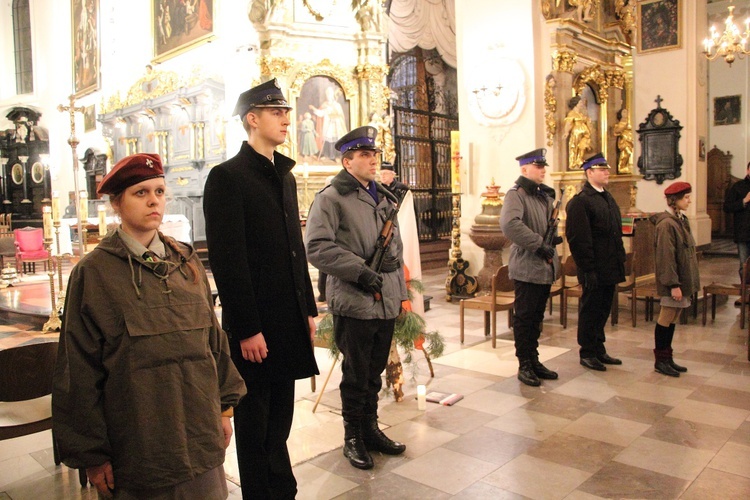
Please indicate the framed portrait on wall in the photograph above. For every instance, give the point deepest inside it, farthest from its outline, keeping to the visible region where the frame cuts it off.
(659, 25)
(179, 25)
(728, 110)
(323, 117)
(85, 39)
(89, 118)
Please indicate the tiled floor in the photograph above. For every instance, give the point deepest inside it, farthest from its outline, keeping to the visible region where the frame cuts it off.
(624, 433)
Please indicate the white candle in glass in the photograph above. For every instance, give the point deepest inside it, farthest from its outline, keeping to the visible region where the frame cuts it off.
(421, 398)
(84, 208)
(102, 212)
(47, 222)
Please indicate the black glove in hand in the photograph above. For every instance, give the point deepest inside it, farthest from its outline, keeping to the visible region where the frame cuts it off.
(389, 264)
(556, 240)
(371, 281)
(545, 252)
(590, 281)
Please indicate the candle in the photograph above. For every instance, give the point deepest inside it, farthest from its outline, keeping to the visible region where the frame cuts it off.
(455, 162)
(102, 219)
(83, 210)
(56, 206)
(421, 398)
(47, 222)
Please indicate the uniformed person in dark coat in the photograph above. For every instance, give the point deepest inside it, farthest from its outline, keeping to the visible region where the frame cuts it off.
(594, 233)
(388, 180)
(533, 263)
(737, 202)
(258, 261)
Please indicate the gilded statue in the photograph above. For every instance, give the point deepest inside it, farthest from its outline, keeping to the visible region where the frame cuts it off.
(550, 108)
(624, 133)
(625, 11)
(368, 16)
(584, 9)
(578, 132)
(384, 139)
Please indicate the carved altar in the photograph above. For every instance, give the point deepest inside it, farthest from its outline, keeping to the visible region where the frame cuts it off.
(178, 117)
(592, 62)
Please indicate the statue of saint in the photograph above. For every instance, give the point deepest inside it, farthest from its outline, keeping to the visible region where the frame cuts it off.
(578, 132)
(624, 133)
(584, 9)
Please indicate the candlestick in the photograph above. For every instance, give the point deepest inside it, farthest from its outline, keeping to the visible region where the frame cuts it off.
(53, 323)
(47, 223)
(421, 398)
(102, 212)
(56, 206)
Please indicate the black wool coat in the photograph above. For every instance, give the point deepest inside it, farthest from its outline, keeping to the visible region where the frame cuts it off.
(594, 233)
(734, 204)
(258, 260)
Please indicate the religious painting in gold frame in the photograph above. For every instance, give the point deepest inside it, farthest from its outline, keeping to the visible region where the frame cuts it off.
(179, 25)
(659, 25)
(323, 117)
(84, 16)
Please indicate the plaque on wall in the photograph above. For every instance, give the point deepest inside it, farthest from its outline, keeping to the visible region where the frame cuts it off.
(660, 145)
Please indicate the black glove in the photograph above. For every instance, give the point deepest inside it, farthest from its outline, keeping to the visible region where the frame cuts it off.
(371, 281)
(590, 281)
(389, 264)
(556, 240)
(545, 252)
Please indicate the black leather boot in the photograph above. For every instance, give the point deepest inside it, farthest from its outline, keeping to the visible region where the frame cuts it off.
(354, 446)
(662, 363)
(542, 371)
(526, 373)
(376, 440)
(674, 365)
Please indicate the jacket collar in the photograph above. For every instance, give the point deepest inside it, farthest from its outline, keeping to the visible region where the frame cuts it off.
(591, 190)
(345, 183)
(532, 187)
(282, 165)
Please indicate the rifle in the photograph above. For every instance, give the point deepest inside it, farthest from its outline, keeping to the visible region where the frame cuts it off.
(381, 246)
(554, 221)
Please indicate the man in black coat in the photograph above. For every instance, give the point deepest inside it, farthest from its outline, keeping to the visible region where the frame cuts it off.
(388, 179)
(258, 261)
(737, 202)
(594, 232)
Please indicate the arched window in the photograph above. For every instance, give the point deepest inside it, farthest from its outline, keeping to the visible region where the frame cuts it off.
(22, 46)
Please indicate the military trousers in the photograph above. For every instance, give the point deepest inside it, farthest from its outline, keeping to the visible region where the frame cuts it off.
(365, 345)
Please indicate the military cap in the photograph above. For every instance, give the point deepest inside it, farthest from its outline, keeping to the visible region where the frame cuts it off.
(359, 138)
(265, 95)
(596, 161)
(536, 157)
(678, 188)
(387, 166)
(131, 170)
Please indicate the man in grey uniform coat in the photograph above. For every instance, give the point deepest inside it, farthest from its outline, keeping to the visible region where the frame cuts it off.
(533, 265)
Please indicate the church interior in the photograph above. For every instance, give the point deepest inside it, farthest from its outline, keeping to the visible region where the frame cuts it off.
(456, 91)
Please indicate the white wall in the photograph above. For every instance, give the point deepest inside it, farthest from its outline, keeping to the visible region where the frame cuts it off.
(489, 151)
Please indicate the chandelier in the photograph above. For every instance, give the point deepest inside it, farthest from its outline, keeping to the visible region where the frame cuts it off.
(730, 44)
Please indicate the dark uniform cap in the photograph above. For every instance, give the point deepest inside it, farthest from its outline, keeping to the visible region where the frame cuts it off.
(265, 95)
(596, 161)
(678, 188)
(359, 138)
(387, 166)
(131, 170)
(536, 157)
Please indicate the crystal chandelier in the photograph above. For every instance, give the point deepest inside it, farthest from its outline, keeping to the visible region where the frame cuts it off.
(730, 44)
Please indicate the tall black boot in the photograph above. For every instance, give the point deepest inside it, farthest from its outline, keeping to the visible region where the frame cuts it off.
(354, 446)
(542, 371)
(674, 365)
(662, 351)
(376, 440)
(526, 373)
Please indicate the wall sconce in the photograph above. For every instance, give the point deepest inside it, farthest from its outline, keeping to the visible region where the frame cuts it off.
(497, 96)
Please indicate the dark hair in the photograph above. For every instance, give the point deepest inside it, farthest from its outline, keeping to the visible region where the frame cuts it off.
(672, 199)
(574, 101)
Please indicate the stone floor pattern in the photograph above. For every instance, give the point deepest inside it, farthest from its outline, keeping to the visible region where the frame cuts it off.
(625, 433)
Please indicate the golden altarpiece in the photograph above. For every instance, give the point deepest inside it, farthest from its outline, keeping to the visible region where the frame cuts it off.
(588, 94)
(330, 64)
